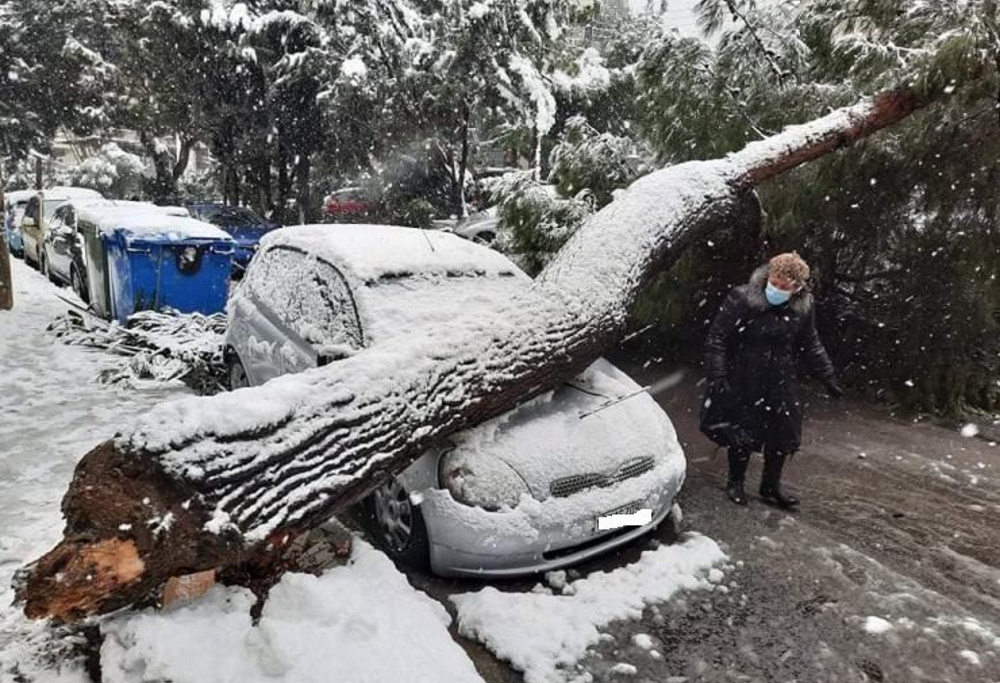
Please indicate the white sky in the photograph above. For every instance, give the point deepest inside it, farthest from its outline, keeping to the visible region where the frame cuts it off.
(679, 14)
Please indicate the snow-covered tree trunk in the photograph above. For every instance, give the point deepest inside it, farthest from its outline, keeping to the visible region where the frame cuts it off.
(206, 482)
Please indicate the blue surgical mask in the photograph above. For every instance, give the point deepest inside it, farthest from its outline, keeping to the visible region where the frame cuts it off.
(776, 296)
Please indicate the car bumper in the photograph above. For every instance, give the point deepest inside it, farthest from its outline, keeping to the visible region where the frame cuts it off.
(471, 542)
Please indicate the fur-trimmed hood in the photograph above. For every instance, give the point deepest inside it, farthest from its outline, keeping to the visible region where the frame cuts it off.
(801, 302)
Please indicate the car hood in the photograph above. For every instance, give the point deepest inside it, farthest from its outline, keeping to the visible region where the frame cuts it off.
(553, 440)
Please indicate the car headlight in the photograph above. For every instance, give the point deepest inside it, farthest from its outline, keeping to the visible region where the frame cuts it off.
(484, 481)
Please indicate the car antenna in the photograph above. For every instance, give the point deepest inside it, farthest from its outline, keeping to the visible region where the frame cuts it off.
(429, 244)
(615, 402)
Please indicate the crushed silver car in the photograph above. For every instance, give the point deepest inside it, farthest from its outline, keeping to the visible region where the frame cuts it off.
(519, 494)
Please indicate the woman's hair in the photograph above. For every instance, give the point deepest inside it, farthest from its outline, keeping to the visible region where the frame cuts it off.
(789, 266)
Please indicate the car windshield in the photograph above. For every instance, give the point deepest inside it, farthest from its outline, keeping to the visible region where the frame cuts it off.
(230, 216)
(410, 305)
(53, 204)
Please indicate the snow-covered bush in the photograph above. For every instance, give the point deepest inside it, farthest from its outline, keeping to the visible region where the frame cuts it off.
(113, 172)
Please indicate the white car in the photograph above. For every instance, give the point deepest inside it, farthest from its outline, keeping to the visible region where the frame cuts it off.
(522, 493)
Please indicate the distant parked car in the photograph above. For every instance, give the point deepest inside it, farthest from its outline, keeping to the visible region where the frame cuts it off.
(479, 227)
(521, 494)
(39, 210)
(14, 204)
(245, 226)
(350, 201)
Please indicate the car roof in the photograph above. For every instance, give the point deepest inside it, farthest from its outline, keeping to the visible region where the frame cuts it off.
(372, 252)
(51, 193)
(18, 195)
(144, 219)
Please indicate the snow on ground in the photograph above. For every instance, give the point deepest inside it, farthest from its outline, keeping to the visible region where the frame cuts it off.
(363, 618)
(53, 411)
(544, 635)
(361, 623)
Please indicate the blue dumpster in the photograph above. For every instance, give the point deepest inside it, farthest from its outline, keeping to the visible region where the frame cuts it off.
(140, 257)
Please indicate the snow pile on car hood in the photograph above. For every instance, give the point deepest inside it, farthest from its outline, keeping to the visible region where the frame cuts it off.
(593, 425)
(362, 622)
(544, 635)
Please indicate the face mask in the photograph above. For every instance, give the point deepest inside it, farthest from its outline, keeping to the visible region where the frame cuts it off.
(776, 296)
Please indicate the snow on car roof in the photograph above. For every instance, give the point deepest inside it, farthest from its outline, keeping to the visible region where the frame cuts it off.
(70, 193)
(18, 196)
(371, 252)
(141, 219)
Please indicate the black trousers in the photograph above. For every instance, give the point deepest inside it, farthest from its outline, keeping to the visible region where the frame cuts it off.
(774, 463)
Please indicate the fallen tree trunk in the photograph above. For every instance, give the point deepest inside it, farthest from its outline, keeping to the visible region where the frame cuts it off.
(205, 483)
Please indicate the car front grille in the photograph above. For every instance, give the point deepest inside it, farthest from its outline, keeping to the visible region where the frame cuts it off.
(626, 509)
(575, 483)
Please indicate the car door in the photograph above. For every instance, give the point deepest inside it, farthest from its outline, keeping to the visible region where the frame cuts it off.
(31, 228)
(59, 237)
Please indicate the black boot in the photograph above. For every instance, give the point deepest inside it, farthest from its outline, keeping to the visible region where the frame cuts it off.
(736, 492)
(770, 483)
(739, 458)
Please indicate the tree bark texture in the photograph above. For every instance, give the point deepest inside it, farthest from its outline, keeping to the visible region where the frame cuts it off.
(186, 491)
(6, 276)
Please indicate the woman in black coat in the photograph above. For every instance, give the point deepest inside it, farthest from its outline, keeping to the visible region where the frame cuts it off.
(759, 333)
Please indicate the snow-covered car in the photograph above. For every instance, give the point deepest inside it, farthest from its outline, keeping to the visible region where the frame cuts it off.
(479, 227)
(38, 212)
(523, 493)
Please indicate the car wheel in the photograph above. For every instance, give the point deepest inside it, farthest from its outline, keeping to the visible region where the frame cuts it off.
(484, 237)
(43, 265)
(236, 372)
(77, 282)
(399, 525)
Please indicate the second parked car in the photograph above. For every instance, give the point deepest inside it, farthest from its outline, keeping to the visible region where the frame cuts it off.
(242, 224)
(37, 213)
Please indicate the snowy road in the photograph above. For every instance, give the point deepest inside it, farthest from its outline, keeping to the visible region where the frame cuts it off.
(890, 571)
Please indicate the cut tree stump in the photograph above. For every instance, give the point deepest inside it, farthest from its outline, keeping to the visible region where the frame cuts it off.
(214, 483)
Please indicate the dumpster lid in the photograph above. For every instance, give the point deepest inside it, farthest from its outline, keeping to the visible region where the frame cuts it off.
(148, 223)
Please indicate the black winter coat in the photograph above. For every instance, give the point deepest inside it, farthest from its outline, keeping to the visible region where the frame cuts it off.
(756, 346)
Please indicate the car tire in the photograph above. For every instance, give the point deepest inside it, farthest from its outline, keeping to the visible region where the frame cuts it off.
(43, 266)
(236, 374)
(484, 237)
(76, 281)
(398, 525)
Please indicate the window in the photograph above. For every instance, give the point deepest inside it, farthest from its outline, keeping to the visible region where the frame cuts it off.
(32, 209)
(308, 295)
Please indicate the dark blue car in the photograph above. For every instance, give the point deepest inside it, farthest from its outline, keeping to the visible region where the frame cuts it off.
(245, 226)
